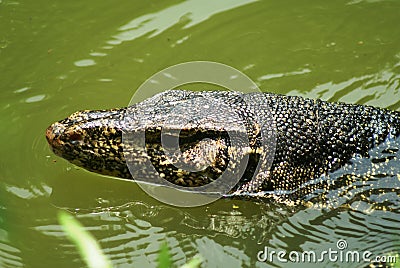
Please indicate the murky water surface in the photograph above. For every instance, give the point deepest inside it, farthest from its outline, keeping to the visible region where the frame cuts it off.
(57, 57)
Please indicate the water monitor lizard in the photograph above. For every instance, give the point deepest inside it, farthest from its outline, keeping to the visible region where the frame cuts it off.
(313, 137)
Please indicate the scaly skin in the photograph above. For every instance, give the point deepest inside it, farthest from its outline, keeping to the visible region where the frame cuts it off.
(312, 137)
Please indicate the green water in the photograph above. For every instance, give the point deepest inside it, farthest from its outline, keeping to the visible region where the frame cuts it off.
(57, 57)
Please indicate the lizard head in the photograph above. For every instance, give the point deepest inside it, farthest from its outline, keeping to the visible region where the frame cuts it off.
(187, 138)
(92, 140)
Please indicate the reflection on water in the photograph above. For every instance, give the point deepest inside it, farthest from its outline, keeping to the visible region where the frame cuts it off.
(84, 63)
(35, 98)
(33, 192)
(9, 256)
(271, 76)
(22, 89)
(381, 89)
(191, 11)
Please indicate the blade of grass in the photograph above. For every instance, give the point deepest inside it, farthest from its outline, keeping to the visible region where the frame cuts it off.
(85, 242)
(396, 256)
(164, 258)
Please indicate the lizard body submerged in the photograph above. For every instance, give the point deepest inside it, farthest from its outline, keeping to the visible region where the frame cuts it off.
(305, 138)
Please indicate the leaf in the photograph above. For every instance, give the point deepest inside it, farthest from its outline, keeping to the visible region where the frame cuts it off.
(164, 257)
(84, 241)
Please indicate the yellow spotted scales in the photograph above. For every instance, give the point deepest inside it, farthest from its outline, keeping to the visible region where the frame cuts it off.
(312, 139)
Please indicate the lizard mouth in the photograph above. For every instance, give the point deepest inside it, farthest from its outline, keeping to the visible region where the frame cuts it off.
(54, 138)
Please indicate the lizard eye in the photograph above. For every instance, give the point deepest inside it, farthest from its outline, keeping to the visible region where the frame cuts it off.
(75, 138)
